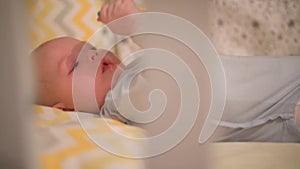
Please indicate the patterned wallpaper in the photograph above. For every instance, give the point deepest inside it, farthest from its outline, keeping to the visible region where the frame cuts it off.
(256, 27)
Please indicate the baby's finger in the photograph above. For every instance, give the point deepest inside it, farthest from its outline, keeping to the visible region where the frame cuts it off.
(118, 2)
(103, 14)
(110, 11)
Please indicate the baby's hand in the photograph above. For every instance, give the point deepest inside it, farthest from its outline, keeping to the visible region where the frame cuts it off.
(117, 9)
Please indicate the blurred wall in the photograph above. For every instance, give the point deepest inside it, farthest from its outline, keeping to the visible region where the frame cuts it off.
(188, 153)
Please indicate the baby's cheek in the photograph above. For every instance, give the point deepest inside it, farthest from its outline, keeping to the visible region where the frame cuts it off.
(100, 92)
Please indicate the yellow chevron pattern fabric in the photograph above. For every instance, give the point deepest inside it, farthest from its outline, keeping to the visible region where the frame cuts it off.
(56, 18)
(50, 19)
(65, 145)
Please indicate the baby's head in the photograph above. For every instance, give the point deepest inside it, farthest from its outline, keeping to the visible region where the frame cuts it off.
(55, 62)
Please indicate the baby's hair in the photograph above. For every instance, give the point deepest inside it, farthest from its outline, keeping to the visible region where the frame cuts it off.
(34, 54)
(42, 84)
(42, 45)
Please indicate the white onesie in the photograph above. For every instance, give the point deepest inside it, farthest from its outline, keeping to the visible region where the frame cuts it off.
(262, 93)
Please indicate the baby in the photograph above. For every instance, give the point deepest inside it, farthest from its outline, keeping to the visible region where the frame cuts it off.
(260, 118)
(57, 59)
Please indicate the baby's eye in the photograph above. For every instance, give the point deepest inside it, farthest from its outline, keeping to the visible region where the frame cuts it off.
(74, 66)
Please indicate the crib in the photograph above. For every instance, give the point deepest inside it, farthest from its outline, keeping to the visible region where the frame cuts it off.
(44, 137)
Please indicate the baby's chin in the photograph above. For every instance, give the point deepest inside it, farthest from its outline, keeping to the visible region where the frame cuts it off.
(117, 72)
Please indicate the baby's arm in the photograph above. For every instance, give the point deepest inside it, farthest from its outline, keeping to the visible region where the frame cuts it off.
(115, 10)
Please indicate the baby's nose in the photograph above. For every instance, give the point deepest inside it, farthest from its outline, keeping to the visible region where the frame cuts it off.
(98, 55)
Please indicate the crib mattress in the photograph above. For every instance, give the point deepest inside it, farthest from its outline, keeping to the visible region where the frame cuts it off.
(245, 155)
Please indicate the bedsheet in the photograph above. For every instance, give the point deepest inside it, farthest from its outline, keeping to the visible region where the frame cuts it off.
(63, 143)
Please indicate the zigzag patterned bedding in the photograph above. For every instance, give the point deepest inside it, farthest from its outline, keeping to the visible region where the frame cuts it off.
(63, 143)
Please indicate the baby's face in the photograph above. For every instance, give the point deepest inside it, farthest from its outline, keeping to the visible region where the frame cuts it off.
(58, 60)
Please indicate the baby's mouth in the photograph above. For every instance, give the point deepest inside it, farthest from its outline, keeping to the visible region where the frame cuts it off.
(105, 65)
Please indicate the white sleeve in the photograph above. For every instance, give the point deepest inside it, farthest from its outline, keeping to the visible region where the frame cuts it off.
(130, 81)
